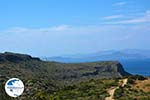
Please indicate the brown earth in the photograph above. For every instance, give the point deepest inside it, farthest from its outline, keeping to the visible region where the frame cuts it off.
(143, 85)
(112, 90)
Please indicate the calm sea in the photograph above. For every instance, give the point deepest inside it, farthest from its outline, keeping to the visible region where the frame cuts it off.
(141, 67)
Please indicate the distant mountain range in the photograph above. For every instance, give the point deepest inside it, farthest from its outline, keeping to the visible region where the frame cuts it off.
(128, 54)
(134, 60)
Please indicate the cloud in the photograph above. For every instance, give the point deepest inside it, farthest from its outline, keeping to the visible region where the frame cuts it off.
(113, 17)
(130, 19)
(144, 19)
(73, 39)
(119, 4)
(59, 28)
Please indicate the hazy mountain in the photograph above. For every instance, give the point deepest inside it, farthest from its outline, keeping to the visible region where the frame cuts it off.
(134, 60)
(128, 54)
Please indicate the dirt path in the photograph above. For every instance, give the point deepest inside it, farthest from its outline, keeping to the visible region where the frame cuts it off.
(124, 82)
(112, 90)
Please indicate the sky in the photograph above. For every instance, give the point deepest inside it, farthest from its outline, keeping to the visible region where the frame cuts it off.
(60, 27)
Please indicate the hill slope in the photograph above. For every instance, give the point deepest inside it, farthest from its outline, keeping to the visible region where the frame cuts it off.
(50, 76)
(23, 65)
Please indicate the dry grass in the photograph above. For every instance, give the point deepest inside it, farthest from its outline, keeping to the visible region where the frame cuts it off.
(143, 85)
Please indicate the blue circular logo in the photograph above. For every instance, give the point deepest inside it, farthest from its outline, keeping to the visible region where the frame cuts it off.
(14, 87)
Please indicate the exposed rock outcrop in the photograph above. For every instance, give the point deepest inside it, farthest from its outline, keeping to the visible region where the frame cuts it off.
(15, 57)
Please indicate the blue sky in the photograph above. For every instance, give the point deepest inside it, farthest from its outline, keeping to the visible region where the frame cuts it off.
(59, 27)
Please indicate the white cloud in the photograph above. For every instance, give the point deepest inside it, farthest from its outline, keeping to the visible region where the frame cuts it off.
(59, 28)
(50, 41)
(131, 19)
(144, 19)
(113, 17)
(119, 4)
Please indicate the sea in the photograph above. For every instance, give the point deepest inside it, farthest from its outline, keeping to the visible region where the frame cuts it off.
(140, 67)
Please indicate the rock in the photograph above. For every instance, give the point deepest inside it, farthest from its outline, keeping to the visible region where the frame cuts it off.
(15, 57)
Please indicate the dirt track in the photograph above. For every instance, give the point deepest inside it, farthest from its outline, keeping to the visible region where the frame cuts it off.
(112, 90)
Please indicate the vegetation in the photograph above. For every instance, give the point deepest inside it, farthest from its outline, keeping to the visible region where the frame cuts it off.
(131, 92)
(89, 90)
(61, 81)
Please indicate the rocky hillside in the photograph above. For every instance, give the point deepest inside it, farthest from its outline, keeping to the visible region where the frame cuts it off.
(13, 57)
(49, 76)
(20, 65)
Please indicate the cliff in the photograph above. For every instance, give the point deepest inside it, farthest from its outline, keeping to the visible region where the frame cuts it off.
(21, 65)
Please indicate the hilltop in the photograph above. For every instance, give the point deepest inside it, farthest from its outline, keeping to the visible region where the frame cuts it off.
(25, 64)
(15, 57)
